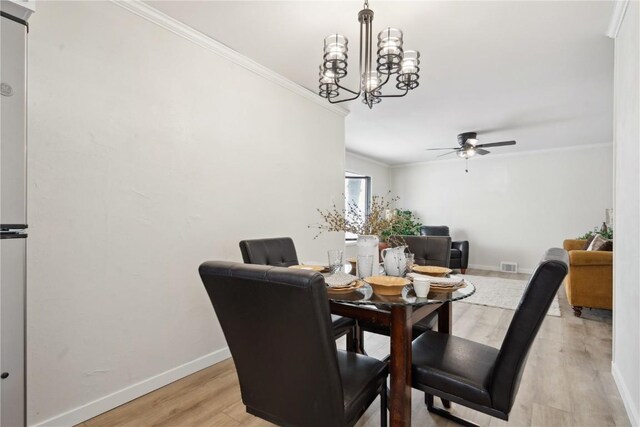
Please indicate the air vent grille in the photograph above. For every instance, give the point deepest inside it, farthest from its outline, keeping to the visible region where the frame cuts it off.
(509, 267)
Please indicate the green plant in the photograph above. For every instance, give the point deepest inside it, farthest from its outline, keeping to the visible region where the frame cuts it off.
(405, 224)
(606, 232)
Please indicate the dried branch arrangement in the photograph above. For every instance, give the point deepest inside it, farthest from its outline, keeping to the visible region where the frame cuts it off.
(379, 220)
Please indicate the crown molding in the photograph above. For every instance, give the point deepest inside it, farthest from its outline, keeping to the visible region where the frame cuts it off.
(495, 155)
(617, 16)
(366, 159)
(181, 29)
(22, 9)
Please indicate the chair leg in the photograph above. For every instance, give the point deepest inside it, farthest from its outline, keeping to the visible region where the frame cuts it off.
(352, 344)
(428, 400)
(360, 335)
(446, 403)
(463, 270)
(383, 406)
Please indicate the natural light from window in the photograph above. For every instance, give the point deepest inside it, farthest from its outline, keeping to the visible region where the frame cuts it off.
(357, 190)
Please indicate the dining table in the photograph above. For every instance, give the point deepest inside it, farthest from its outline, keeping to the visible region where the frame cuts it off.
(399, 313)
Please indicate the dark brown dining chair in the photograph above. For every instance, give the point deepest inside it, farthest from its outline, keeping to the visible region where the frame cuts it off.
(306, 384)
(281, 252)
(479, 376)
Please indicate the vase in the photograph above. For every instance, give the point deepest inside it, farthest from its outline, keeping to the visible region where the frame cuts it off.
(368, 245)
(395, 261)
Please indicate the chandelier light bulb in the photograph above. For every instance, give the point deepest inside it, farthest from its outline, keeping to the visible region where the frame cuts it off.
(410, 62)
(335, 48)
(371, 81)
(326, 76)
(390, 42)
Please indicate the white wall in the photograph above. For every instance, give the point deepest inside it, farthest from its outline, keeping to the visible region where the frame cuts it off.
(511, 207)
(148, 155)
(379, 172)
(626, 295)
(380, 183)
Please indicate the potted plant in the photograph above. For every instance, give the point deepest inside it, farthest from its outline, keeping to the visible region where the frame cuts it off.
(405, 224)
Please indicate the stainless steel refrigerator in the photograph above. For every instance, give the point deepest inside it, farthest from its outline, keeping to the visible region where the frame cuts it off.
(13, 216)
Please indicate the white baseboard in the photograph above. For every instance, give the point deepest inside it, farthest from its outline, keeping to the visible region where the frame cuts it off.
(629, 405)
(110, 401)
(496, 268)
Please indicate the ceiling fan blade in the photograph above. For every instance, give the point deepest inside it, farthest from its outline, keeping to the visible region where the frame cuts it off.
(448, 148)
(481, 151)
(450, 152)
(496, 144)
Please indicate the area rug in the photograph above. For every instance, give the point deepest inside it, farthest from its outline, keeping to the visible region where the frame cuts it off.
(502, 293)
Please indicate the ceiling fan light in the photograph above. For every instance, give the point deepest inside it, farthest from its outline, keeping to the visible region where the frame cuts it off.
(472, 141)
(462, 154)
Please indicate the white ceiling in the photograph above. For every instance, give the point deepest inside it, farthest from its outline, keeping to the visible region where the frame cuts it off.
(539, 72)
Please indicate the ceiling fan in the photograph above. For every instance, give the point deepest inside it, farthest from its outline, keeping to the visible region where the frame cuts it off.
(469, 146)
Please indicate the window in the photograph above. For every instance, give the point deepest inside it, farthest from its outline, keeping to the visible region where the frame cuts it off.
(357, 190)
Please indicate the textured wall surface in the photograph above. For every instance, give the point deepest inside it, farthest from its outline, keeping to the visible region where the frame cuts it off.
(148, 155)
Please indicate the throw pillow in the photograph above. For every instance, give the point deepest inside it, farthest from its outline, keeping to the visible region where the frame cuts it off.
(588, 242)
(607, 246)
(597, 243)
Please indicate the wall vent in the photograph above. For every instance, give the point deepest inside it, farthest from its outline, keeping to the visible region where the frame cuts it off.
(508, 267)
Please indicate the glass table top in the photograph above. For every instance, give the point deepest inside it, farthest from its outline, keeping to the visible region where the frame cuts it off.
(365, 295)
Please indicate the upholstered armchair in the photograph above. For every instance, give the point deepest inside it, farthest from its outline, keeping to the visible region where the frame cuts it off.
(459, 250)
(590, 279)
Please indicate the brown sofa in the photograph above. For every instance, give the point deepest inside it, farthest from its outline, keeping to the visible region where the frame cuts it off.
(590, 279)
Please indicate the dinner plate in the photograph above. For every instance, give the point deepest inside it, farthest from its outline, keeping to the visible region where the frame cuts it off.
(309, 267)
(352, 287)
(432, 269)
(439, 288)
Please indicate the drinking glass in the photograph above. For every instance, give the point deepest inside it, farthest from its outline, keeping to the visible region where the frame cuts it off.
(410, 262)
(336, 260)
(365, 266)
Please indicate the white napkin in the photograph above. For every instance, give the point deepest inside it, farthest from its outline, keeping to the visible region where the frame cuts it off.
(440, 281)
(339, 280)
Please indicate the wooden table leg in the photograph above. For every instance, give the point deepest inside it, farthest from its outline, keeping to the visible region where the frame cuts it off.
(444, 325)
(445, 318)
(400, 369)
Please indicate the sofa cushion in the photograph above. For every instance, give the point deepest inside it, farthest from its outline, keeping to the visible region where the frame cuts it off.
(588, 242)
(456, 253)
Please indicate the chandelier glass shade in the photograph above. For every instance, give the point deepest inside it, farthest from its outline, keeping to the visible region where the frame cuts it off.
(391, 60)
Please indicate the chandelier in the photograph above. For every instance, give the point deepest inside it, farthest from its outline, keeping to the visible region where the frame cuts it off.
(391, 60)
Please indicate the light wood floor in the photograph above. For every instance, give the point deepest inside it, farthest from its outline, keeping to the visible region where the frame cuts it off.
(567, 380)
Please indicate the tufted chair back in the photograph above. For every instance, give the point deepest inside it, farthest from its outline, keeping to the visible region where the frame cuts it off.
(260, 308)
(434, 230)
(279, 252)
(429, 250)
